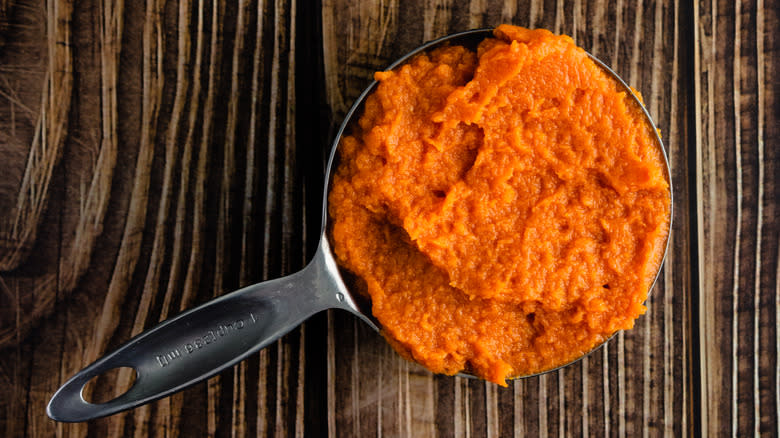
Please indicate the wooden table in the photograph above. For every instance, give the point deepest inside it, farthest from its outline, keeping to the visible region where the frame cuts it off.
(155, 155)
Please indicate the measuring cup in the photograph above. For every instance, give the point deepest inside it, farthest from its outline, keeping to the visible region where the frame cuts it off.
(204, 341)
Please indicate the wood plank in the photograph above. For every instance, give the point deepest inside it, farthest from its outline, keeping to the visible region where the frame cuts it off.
(738, 239)
(161, 252)
(633, 387)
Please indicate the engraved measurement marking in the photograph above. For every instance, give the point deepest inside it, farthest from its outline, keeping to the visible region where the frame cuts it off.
(212, 336)
(166, 358)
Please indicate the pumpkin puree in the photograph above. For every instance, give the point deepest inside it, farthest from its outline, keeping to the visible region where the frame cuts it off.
(506, 210)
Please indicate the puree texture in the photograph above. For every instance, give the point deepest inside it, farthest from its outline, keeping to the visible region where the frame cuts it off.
(506, 211)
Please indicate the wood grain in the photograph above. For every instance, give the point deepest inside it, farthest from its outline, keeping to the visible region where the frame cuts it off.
(41, 136)
(192, 164)
(18, 234)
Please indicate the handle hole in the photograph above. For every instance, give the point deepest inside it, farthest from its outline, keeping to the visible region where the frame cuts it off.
(107, 386)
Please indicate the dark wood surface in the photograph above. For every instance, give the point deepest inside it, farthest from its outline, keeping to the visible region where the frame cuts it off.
(156, 154)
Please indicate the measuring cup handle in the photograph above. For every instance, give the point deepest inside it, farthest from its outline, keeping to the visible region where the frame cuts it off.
(201, 342)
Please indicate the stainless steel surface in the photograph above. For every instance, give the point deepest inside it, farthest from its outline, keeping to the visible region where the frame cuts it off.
(201, 342)
(204, 341)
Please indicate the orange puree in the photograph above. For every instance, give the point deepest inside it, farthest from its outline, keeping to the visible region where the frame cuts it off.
(506, 210)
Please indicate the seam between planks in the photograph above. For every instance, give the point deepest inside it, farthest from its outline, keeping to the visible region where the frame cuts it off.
(736, 76)
(759, 217)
